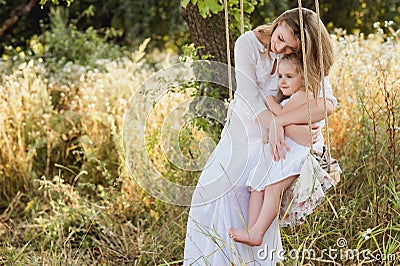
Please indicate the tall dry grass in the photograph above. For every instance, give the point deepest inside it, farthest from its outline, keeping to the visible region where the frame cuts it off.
(364, 137)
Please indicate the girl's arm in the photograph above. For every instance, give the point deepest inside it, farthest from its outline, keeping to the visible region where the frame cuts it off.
(273, 105)
(297, 116)
(296, 100)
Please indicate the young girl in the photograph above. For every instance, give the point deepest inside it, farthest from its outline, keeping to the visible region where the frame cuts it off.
(306, 192)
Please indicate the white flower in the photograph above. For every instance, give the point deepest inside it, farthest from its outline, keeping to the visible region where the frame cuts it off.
(366, 237)
(388, 23)
(366, 234)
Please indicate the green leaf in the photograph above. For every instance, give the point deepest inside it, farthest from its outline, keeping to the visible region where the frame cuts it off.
(184, 3)
(249, 7)
(233, 2)
(214, 6)
(89, 12)
(56, 2)
(203, 8)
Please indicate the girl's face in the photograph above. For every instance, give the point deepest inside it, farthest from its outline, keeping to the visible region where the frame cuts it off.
(290, 80)
(283, 41)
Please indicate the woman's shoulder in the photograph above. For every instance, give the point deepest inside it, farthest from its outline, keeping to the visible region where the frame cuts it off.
(247, 38)
(248, 35)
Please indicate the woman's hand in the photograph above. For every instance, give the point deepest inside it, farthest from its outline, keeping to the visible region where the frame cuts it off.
(276, 140)
(301, 134)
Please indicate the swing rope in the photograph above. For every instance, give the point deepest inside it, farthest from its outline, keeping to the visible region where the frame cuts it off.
(241, 17)
(228, 50)
(303, 48)
(328, 150)
(322, 73)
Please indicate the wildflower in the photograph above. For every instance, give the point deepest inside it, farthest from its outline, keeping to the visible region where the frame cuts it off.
(366, 234)
(389, 23)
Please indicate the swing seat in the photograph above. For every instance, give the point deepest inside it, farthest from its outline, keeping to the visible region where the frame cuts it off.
(331, 166)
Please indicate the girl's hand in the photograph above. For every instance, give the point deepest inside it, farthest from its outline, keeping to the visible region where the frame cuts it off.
(276, 140)
(301, 135)
(314, 132)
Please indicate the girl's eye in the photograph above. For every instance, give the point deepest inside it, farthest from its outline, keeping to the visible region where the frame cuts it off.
(280, 38)
(279, 76)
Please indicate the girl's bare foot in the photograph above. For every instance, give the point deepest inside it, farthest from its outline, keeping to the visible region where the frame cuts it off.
(246, 236)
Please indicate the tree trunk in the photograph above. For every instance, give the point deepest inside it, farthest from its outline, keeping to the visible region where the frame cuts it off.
(210, 34)
(16, 14)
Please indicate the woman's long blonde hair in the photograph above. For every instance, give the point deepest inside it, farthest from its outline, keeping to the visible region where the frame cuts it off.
(310, 24)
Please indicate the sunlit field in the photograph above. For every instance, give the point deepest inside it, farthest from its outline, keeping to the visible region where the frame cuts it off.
(69, 199)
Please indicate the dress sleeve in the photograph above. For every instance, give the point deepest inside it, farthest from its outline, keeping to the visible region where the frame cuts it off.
(246, 80)
(328, 92)
(270, 91)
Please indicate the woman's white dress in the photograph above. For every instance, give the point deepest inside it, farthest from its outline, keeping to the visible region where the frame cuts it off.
(221, 198)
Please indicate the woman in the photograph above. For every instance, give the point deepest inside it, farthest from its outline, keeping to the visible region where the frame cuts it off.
(221, 198)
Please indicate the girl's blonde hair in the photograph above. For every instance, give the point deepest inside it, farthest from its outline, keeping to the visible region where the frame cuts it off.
(311, 26)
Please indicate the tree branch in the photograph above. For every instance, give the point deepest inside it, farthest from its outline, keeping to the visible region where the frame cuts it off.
(16, 14)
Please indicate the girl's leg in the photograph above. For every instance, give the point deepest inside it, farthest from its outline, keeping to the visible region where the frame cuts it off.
(255, 205)
(269, 210)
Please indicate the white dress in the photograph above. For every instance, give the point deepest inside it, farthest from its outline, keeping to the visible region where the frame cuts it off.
(221, 197)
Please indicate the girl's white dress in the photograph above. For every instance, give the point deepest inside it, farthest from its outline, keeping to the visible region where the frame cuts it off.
(221, 197)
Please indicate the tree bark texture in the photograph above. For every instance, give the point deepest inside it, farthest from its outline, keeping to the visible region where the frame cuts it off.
(210, 34)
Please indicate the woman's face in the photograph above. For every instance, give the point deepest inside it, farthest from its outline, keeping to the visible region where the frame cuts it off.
(290, 81)
(283, 40)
